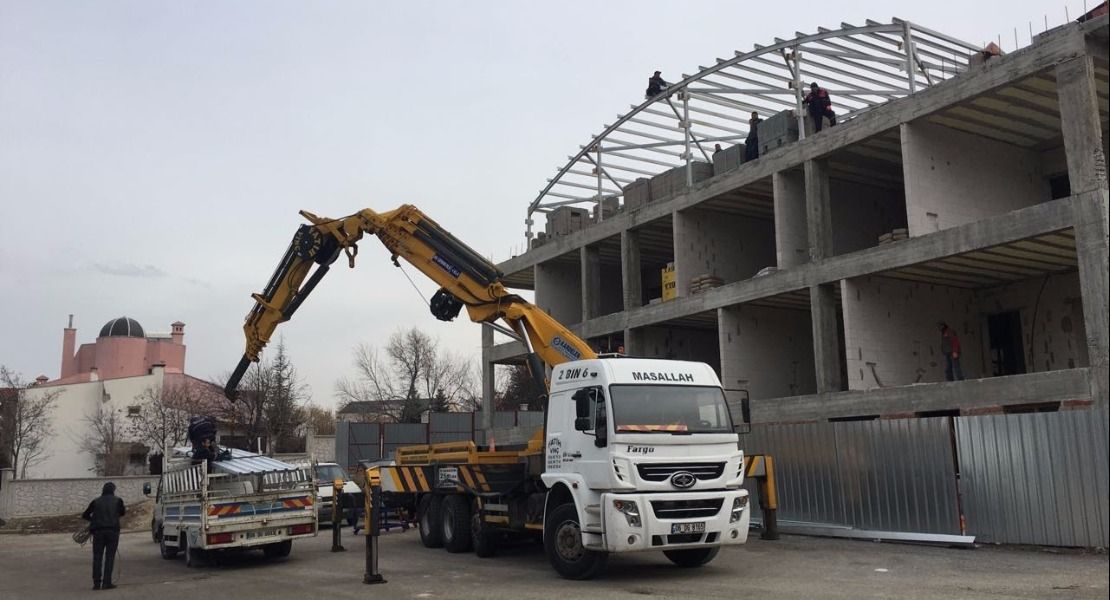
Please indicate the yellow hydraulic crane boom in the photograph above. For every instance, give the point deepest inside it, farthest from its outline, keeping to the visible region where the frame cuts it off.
(464, 276)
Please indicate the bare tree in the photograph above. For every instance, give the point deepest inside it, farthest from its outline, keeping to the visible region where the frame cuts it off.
(26, 425)
(516, 388)
(321, 420)
(104, 440)
(162, 421)
(400, 381)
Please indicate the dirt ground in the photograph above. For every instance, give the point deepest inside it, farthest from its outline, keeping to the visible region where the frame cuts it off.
(137, 519)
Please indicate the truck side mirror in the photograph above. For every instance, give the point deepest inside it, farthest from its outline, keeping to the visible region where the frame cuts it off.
(746, 410)
(146, 489)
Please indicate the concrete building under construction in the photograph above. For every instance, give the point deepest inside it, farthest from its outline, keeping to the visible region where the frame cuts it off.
(960, 185)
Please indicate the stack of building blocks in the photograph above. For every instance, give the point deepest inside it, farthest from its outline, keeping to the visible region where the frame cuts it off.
(566, 220)
(896, 235)
(637, 194)
(728, 159)
(777, 131)
(673, 182)
(704, 282)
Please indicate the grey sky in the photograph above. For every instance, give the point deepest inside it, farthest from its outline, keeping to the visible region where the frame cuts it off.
(153, 155)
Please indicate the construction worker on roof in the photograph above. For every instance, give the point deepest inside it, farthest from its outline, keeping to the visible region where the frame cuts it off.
(820, 106)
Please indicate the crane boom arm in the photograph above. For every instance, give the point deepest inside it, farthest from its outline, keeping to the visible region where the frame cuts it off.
(466, 279)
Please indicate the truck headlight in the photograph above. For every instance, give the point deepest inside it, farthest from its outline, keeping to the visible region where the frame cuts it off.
(738, 506)
(630, 511)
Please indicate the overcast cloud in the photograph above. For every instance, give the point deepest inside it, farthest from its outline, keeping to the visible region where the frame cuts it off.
(154, 155)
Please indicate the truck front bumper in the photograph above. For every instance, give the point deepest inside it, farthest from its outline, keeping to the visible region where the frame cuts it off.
(674, 520)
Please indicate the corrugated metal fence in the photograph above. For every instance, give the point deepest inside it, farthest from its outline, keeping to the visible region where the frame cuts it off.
(1038, 478)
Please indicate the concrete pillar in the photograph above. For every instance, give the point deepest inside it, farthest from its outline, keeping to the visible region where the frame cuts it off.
(591, 281)
(488, 379)
(631, 270)
(791, 235)
(1091, 233)
(818, 209)
(1082, 129)
(826, 343)
(633, 340)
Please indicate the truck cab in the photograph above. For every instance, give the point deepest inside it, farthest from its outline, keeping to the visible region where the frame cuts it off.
(646, 454)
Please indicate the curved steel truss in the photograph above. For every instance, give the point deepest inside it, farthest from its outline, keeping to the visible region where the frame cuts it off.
(861, 67)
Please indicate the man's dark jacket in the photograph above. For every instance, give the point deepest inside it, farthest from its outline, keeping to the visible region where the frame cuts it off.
(103, 513)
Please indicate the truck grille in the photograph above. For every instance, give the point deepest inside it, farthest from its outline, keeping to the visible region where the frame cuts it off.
(663, 471)
(687, 509)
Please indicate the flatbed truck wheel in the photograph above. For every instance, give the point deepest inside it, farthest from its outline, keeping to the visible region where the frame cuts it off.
(694, 557)
(485, 539)
(562, 541)
(168, 552)
(278, 549)
(431, 521)
(456, 524)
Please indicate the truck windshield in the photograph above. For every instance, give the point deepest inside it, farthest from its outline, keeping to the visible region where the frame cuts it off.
(330, 473)
(669, 409)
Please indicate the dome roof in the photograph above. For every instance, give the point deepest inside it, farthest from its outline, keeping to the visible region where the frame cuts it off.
(122, 327)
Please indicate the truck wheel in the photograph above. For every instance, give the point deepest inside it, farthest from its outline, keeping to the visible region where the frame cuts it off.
(456, 524)
(192, 555)
(563, 542)
(485, 541)
(168, 552)
(694, 557)
(155, 530)
(431, 518)
(278, 549)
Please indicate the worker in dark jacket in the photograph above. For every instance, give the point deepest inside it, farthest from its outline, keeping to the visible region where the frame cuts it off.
(950, 348)
(820, 105)
(103, 516)
(655, 85)
(751, 145)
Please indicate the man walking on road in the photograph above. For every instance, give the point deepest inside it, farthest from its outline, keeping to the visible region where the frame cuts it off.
(950, 348)
(103, 516)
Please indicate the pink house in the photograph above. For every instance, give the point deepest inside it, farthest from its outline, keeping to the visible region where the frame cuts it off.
(123, 349)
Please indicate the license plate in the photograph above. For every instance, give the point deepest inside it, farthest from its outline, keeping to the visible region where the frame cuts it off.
(687, 528)
(262, 533)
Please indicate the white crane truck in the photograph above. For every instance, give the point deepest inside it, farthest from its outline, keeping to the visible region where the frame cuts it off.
(635, 454)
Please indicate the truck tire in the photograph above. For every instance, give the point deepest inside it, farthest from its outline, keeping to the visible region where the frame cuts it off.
(485, 540)
(278, 549)
(695, 557)
(192, 555)
(168, 552)
(431, 519)
(562, 541)
(456, 524)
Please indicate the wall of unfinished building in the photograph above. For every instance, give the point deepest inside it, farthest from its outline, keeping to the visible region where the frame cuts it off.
(729, 246)
(791, 234)
(767, 351)
(861, 213)
(891, 337)
(954, 177)
(679, 343)
(559, 290)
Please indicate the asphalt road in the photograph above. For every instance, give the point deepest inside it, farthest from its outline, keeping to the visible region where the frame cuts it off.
(51, 566)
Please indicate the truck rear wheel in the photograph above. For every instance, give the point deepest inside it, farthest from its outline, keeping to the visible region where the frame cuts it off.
(168, 552)
(278, 549)
(485, 540)
(431, 519)
(456, 524)
(563, 542)
(695, 557)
